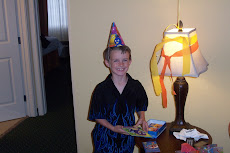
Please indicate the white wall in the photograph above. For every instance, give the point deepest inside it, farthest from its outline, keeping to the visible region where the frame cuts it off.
(141, 24)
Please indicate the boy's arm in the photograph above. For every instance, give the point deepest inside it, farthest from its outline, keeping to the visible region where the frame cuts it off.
(142, 121)
(117, 128)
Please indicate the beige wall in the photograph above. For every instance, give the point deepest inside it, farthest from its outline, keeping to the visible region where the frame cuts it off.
(141, 24)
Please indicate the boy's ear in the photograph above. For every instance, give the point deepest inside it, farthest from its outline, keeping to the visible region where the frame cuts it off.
(106, 63)
(130, 61)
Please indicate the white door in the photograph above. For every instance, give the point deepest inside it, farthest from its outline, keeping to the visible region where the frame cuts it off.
(12, 103)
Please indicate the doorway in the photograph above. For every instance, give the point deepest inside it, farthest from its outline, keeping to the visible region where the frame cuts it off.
(55, 46)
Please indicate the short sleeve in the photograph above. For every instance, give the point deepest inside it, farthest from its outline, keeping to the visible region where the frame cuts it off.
(142, 99)
(97, 107)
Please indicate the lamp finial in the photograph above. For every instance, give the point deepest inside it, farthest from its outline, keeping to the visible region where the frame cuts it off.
(180, 26)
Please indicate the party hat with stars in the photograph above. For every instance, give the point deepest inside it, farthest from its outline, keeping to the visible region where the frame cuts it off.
(115, 39)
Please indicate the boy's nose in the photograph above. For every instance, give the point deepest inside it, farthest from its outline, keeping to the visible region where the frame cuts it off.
(121, 64)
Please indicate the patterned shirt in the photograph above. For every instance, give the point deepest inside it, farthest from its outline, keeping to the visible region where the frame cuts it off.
(118, 109)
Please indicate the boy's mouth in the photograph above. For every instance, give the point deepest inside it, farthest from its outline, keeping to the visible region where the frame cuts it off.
(121, 69)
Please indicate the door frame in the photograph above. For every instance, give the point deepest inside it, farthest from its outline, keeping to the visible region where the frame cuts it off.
(29, 32)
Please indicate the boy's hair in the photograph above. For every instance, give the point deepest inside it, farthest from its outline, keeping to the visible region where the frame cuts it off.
(123, 49)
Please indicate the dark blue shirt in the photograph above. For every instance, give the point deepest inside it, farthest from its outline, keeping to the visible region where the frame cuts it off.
(118, 109)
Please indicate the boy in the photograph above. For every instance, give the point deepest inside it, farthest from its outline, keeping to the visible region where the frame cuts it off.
(116, 99)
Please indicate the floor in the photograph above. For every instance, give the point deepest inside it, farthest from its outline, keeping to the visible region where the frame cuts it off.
(7, 126)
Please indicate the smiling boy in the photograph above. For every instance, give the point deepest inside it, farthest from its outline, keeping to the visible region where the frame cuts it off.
(116, 99)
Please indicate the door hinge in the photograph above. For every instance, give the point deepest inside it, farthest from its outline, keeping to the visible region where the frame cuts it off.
(24, 98)
(19, 40)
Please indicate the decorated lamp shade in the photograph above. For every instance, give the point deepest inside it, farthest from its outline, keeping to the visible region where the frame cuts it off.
(181, 55)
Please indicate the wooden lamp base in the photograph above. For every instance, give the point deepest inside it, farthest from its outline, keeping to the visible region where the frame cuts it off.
(181, 89)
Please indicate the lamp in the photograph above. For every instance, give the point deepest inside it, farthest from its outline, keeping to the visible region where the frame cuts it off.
(174, 62)
(180, 57)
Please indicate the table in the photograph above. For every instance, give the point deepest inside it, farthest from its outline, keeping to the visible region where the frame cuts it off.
(167, 142)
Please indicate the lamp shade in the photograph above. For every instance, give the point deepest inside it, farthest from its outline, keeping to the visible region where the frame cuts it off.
(181, 55)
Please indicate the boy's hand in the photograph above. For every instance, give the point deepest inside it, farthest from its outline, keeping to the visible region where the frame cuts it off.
(143, 123)
(118, 129)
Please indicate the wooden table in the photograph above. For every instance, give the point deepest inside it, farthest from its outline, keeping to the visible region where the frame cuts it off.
(168, 142)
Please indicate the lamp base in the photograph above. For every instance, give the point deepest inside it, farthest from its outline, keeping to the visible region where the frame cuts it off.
(181, 90)
(174, 127)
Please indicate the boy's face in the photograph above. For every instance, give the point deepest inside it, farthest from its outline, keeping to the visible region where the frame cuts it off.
(119, 62)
